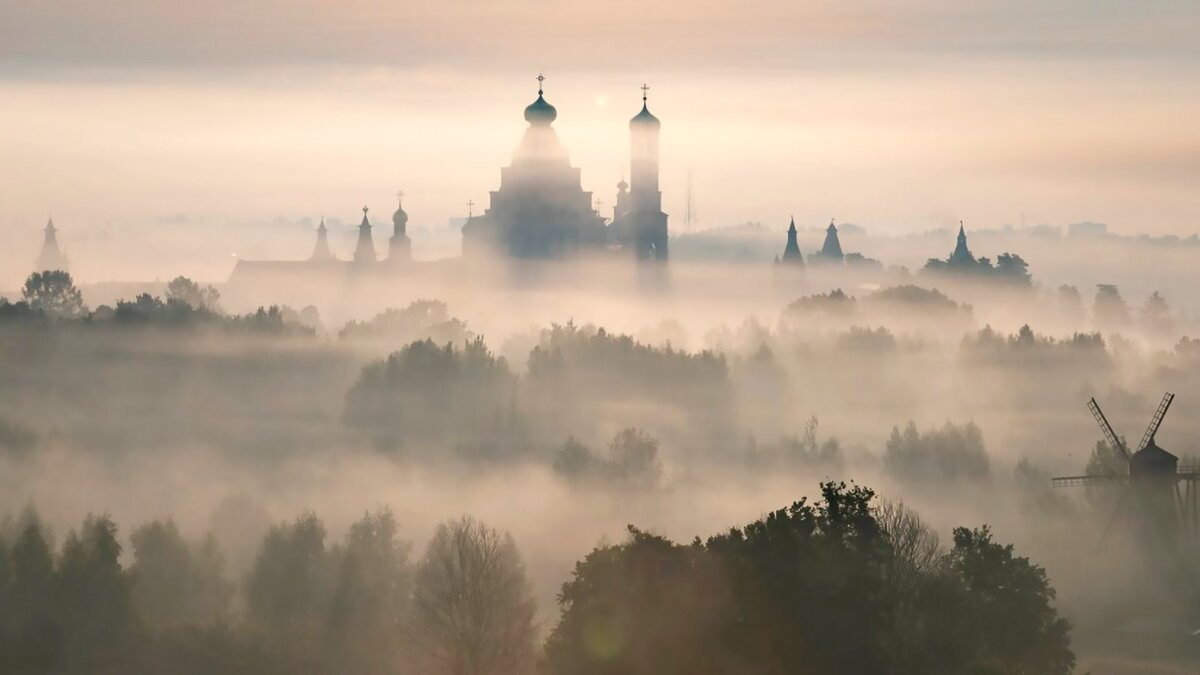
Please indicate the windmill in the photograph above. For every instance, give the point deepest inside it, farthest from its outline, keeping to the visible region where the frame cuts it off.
(1150, 494)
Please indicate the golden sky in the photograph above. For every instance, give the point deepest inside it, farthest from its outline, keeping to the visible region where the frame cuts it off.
(898, 116)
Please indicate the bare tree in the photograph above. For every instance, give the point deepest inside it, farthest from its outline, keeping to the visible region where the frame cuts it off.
(915, 558)
(472, 603)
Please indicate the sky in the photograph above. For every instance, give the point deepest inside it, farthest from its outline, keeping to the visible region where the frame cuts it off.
(897, 116)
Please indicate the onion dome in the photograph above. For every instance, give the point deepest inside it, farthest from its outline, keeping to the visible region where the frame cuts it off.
(540, 113)
(644, 118)
(622, 186)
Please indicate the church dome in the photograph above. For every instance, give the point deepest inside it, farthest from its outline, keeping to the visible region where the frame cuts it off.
(644, 118)
(400, 218)
(540, 113)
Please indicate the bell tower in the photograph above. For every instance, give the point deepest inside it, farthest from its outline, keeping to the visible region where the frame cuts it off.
(648, 222)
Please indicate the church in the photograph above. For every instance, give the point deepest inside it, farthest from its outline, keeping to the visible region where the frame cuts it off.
(540, 210)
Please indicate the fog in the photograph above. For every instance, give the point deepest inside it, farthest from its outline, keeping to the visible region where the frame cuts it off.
(753, 381)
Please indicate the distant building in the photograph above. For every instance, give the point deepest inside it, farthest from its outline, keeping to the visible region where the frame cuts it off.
(961, 257)
(831, 250)
(541, 210)
(321, 252)
(399, 246)
(364, 250)
(1087, 229)
(1009, 268)
(791, 252)
(51, 257)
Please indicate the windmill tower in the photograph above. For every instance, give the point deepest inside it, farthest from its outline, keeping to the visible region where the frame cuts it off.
(1161, 514)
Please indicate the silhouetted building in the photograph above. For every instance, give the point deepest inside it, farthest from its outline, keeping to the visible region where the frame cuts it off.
(364, 251)
(831, 250)
(321, 252)
(643, 222)
(961, 257)
(791, 252)
(541, 209)
(1087, 229)
(51, 258)
(400, 246)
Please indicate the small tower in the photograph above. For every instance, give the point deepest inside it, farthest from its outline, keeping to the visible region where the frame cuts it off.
(962, 254)
(791, 253)
(648, 223)
(400, 246)
(321, 252)
(51, 258)
(364, 252)
(831, 251)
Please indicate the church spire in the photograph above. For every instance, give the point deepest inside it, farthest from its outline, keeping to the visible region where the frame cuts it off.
(321, 252)
(832, 249)
(961, 254)
(51, 257)
(791, 253)
(364, 252)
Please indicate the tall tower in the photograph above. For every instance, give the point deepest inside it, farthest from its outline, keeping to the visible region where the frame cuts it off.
(791, 252)
(321, 252)
(647, 220)
(51, 258)
(364, 252)
(831, 250)
(400, 246)
(962, 255)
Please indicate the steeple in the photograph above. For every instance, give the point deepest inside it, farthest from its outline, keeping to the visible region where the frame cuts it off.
(832, 249)
(962, 254)
(647, 222)
(400, 246)
(791, 253)
(321, 252)
(51, 257)
(364, 252)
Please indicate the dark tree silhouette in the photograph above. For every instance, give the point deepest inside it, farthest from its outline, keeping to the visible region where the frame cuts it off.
(176, 583)
(54, 293)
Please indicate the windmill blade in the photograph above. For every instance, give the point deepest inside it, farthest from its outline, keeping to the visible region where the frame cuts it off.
(1156, 420)
(1109, 435)
(1113, 518)
(1093, 479)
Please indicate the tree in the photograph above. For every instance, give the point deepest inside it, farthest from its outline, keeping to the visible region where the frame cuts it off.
(1155, 315)
(94, 599)
(425, 393)
(370, 597)
(635, 459)
(288, 588)
(184, 290)
(473, 605)
(953, 451)
(1008, 611)
(33, 640)
(54, 293)
(176, 583)
(1070, 303)
(1109, 310)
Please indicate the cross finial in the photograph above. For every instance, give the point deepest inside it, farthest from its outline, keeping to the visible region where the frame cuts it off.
(399, 197)
(364, 211)
(645, 88)
(541, 79)
(471, 204)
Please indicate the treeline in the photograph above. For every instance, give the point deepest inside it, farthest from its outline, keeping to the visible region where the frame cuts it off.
(468, 398)
(51, 298)
(841, 584)
(360, 605)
